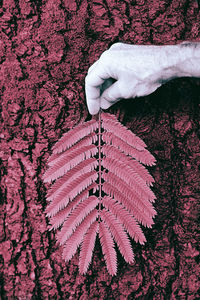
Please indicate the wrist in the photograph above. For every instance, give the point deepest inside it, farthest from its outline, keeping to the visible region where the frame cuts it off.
(173, 60)
(183, 61)
(190, 64)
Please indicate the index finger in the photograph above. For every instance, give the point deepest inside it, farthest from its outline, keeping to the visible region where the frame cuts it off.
(93, 81)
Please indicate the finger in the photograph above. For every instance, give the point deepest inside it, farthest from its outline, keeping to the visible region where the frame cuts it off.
(97, 75)
(113, 93)
(93, 81)
(92, 99)
(104, 104)
(144, 90)
(92, 67)
(93, 106)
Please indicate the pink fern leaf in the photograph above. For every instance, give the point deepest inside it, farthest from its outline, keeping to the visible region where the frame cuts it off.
(121, 131)
(110, 151)
(77, 186)
(87, 247)
(98, 173)
(108, 248)
(119, 235)
(85, 141)
(68, 162)
(129, 176)
(62, 183)
(59, 218)
(125, 218)
(140, 215)
(142, 156)
(76, 239)
(124, 188)
(71, 137)
(76, 217)
(62, 214)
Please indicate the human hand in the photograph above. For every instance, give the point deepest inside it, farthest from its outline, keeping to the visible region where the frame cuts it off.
(128, 71)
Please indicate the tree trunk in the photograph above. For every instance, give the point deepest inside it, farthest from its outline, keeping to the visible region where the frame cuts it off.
(46, 48)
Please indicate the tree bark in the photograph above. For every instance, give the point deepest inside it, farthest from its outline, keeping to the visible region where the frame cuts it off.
(46, 48)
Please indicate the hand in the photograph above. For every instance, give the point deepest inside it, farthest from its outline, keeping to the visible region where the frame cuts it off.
(129, 71)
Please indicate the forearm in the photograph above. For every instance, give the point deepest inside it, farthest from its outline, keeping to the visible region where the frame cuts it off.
(191, 64)
(182, 60)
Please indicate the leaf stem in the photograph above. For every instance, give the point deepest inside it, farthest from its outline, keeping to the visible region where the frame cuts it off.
(99, 152)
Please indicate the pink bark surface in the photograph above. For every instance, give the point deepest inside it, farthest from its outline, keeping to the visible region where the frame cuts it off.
(46, 48)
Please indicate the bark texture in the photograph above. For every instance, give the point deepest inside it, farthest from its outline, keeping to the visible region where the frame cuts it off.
(46, 48)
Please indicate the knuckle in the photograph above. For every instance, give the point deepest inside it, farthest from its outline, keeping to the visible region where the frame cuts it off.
(90, 68)
(87, 79)
(116, 46)
(105, 56)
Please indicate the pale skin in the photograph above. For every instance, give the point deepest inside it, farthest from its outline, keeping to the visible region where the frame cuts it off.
(128, 71)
